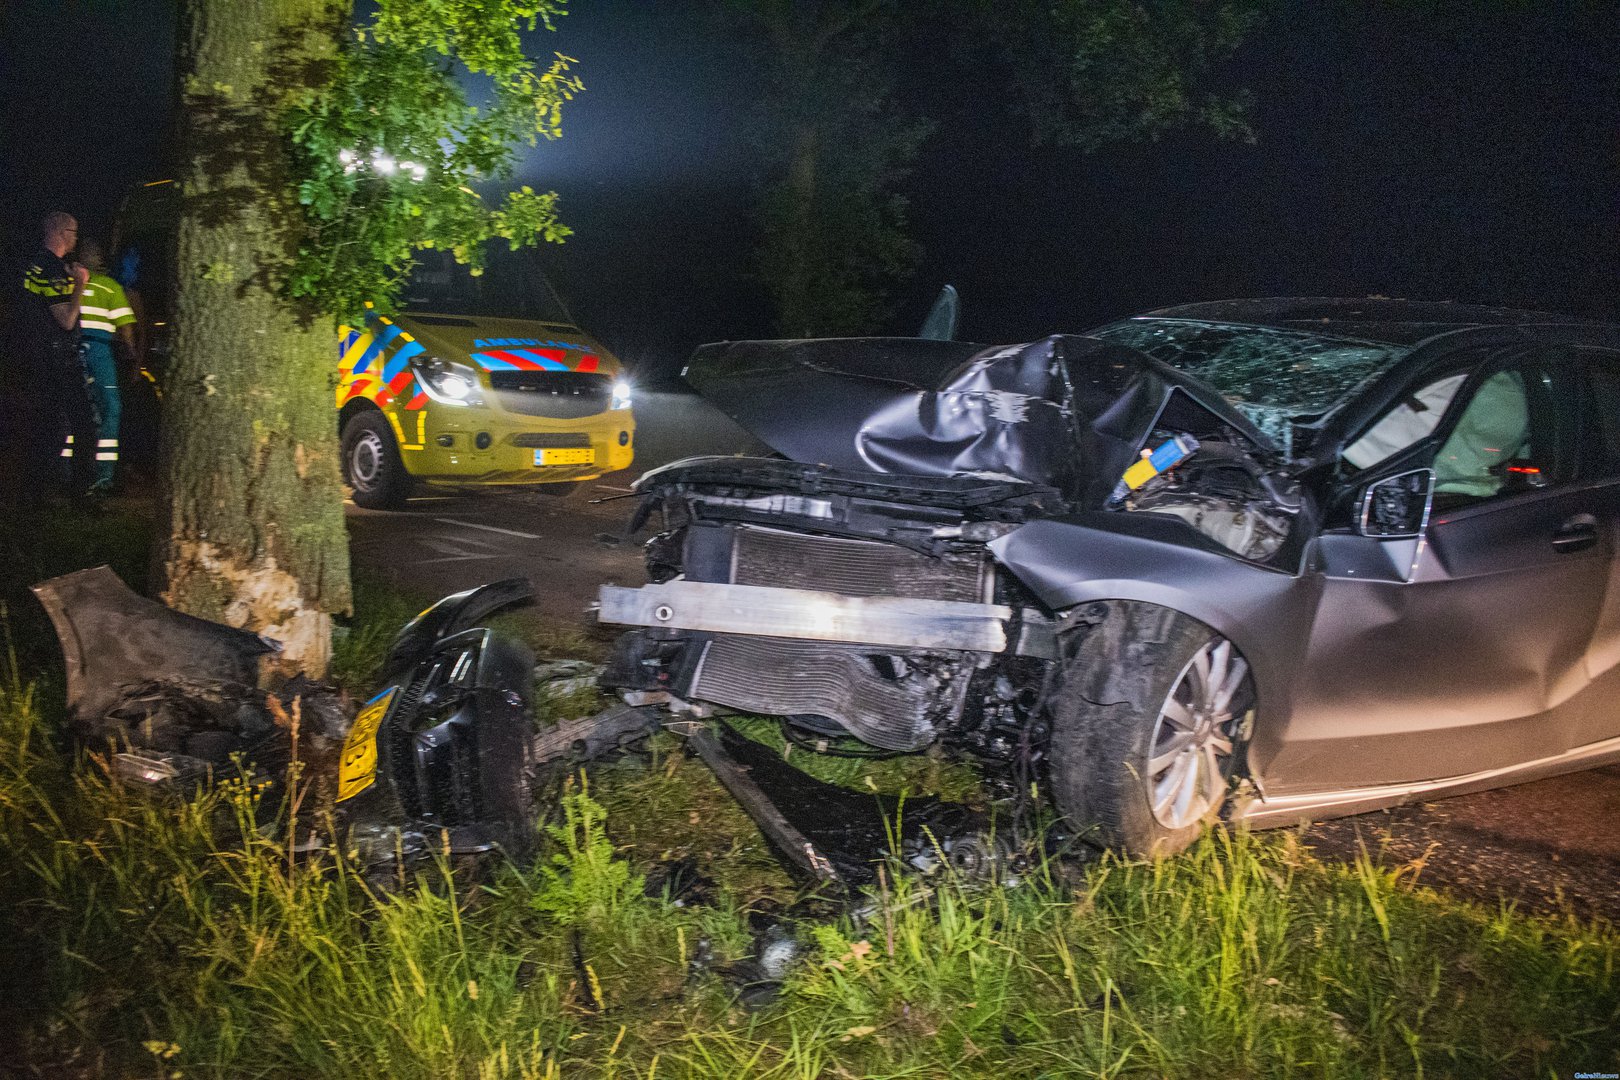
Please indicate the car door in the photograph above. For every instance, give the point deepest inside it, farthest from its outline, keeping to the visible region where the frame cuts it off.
(1466, 648)
(1600, 470)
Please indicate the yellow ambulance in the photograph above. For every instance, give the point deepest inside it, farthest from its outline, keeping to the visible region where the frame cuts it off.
(481, 379)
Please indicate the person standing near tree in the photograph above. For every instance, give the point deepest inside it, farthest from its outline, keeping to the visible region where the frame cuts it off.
(107, 322)
(43, 376)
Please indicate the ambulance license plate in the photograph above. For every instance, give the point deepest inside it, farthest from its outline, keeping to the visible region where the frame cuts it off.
(581, 456)
(357, 768)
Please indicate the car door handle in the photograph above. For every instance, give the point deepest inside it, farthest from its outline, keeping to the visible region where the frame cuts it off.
(1576, 534)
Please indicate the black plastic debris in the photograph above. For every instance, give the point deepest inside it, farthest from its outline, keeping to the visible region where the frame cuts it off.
(830, 834)
(679, 883)
(113, 638)
(444, 758)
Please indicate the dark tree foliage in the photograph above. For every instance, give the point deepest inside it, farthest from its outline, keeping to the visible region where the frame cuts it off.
(837, 142)
(835, 146)
(1093, 72)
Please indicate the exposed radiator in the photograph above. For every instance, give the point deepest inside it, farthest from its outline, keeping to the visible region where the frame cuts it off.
(793, 560)
(879, 699)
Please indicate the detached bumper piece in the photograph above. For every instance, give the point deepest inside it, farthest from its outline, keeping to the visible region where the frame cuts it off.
(175, 699)
(448, 758)
(113, 639)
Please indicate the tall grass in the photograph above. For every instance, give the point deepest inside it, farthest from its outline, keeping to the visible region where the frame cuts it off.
(173, 935)
(156, 935)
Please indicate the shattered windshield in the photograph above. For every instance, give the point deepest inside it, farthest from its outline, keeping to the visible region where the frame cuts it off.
(1270, 375)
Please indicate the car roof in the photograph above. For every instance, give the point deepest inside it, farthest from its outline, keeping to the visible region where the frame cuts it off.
(1377, 318)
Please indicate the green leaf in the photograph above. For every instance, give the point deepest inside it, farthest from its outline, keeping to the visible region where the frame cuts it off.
(396, 88)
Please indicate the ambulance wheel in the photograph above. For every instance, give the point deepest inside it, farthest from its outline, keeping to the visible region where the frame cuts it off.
(371, 464)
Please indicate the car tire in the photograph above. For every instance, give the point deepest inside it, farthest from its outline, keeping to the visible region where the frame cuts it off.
(1150, 721)
(371, 463)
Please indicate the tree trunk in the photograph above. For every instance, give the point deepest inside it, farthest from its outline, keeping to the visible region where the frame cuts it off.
(253, 531)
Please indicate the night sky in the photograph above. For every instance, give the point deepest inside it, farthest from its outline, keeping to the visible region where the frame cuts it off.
(1436, 151)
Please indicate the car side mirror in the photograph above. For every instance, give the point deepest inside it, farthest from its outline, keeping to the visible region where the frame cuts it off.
(1397, 507)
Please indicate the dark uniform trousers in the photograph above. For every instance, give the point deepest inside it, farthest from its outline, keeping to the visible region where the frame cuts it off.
(36, 416)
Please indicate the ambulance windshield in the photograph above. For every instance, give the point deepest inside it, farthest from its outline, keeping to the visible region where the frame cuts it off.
(512, 286)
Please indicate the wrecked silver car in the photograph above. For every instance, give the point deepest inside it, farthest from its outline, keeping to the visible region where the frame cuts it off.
(1266, 560)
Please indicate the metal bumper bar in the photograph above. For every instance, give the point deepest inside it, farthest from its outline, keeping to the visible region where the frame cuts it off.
(816, 616)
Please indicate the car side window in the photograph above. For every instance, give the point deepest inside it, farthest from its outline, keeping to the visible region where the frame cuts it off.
(1494, 429)
(1514, 434)
(1414, 418)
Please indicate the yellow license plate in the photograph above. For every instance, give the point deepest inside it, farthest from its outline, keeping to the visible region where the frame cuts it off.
(582, 456)
(357, 768)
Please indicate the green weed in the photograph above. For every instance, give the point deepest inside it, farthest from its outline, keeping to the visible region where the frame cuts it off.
(583, 881)
(175, 933)
(360, 644)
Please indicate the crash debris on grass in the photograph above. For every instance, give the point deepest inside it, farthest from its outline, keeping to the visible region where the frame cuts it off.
(447, 754)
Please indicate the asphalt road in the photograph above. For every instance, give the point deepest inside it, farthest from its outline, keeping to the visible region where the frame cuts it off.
(443, 542)
(1550, 846)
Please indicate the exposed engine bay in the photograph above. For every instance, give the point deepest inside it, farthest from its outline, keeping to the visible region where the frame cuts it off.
(1226, 492)
(859, 593)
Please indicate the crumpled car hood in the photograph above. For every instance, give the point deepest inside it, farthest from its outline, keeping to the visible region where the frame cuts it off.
(1069, 412)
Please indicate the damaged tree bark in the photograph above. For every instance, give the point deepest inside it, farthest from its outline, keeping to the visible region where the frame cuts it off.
(252, 533)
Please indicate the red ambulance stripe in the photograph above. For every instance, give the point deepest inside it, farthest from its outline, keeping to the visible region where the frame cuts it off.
(418, 401)
(521, 362)
(401, 381)
(586, 363)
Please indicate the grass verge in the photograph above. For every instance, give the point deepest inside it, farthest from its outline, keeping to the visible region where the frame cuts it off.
(170, 935)
(158, 936)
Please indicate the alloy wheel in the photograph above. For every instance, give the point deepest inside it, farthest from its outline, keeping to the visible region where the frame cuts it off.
(1191, 752)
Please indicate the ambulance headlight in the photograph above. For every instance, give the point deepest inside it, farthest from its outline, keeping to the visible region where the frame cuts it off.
(621, 395)
(446, 382)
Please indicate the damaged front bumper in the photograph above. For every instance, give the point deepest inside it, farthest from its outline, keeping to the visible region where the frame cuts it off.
(762, 611)
(863, 602)
(447, 743)
(894, 671)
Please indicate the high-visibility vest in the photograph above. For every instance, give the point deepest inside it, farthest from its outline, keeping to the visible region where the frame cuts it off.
(104, 308)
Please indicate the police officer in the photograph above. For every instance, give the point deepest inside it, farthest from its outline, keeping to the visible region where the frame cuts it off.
(43, 373)
(108, 324)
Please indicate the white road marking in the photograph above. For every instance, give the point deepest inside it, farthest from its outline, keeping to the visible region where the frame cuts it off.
(455, 549)
(489, 528)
